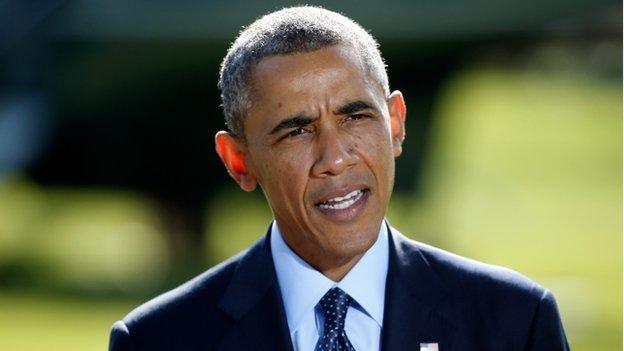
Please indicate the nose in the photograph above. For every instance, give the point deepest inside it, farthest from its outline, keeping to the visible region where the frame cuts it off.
(334, 154)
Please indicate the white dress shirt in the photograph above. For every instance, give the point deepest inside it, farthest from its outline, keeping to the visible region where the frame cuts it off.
(302, 287)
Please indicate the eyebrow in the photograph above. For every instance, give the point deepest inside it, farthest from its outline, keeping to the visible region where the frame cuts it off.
(354, 106)
(292, 122)
(302, 121)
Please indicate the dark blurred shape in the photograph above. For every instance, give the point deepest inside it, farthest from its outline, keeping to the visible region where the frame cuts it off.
(23, 132)
(19, 18)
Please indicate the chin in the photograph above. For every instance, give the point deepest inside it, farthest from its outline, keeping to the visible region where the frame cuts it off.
(351, 246)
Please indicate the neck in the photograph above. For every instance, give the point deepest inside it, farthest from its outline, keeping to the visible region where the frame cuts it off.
(338, 270)
(333, 261)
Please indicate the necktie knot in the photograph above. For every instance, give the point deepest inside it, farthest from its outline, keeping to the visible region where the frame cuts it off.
(334, 306)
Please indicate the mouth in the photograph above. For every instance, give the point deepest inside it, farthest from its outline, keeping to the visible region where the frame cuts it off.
(344, 207)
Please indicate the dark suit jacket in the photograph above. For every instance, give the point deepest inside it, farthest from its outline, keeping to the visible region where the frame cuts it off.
(431, 296)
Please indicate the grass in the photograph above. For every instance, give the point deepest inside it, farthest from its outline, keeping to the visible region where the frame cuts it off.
(33, 322)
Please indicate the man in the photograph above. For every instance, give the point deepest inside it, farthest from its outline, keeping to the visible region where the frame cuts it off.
(312, 120)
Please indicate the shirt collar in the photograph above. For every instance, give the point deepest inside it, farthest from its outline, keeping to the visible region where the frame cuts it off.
(302, 286)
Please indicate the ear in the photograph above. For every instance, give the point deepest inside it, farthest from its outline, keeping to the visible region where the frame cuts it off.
(232, 152)
(397, 111)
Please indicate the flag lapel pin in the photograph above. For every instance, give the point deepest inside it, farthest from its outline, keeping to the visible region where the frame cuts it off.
(429, 346)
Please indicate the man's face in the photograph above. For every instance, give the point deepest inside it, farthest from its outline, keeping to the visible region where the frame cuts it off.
(321, 142)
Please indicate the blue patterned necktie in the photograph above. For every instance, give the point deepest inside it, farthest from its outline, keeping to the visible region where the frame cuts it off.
(334, 306)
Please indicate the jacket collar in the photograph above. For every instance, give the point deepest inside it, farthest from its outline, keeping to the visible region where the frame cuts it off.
(416, 305)
(253, 301)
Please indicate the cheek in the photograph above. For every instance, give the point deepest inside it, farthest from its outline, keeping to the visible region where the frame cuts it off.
(286, 174)
(375, 148)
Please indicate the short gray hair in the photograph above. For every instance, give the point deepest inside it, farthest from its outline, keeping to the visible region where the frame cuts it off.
(288, 31)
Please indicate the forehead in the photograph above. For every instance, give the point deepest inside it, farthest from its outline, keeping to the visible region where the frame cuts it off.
(301, 71)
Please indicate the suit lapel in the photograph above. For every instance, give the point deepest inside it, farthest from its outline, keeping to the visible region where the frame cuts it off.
(415, 306)
(253, 301)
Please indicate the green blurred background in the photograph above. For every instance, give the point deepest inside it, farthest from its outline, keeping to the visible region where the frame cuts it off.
(110, 191)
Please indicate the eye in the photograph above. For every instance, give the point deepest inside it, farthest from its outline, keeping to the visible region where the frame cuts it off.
(295, 132)
(356, 116)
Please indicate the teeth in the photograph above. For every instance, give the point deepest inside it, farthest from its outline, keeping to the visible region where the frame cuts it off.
(339, 203)
(349, 195)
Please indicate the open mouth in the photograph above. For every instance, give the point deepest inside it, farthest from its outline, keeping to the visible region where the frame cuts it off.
(342, 202)
(344, 207)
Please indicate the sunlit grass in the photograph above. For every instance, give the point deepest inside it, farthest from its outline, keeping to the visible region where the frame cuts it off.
(88, 239)
(30, 322)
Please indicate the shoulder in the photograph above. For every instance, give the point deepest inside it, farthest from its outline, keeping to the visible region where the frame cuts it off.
(181, 314)
(205, 289)
(488, 304)
(456, 269)
(468, 280)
